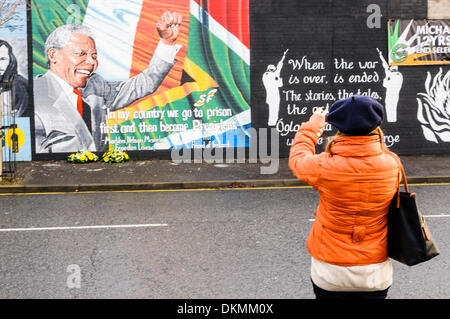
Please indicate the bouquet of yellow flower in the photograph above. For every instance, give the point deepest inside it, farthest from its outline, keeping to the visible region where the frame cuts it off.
(115, 157)
(82, 157)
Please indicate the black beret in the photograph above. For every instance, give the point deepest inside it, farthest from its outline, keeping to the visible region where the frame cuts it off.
(356, 115)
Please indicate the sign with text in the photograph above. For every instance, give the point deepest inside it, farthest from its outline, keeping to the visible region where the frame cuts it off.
(418, 42)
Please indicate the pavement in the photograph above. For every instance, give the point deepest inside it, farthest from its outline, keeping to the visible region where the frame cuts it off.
(61, 176)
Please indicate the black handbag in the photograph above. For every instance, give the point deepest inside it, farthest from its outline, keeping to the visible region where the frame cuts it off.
(409, 240)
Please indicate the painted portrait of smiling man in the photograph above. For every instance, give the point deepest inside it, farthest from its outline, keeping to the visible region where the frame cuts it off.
(72, 101)
(76, 61)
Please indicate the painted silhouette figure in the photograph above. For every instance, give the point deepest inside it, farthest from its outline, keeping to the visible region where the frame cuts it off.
(272, 83)
(393, 82)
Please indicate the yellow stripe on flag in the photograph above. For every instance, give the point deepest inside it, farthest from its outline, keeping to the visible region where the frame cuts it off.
(203, 81)
(411, 59)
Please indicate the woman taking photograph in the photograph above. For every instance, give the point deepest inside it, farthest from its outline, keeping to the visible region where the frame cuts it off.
(356, 177)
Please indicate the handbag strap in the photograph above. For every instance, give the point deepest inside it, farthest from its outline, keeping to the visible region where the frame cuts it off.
(401, 176)
(402, 172)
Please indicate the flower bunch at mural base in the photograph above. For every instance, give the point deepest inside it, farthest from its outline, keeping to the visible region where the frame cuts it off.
(82, 157)
(115, 157)
(433, 111)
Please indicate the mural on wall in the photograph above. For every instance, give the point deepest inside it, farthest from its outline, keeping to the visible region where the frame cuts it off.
(15, 108)
(392, 81)
(140, 74)
(325, 62)
(14, 85)
(272, 83)
(433, 112)
(419, 42)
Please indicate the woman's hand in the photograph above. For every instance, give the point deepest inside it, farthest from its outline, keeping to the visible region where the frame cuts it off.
(319, 116)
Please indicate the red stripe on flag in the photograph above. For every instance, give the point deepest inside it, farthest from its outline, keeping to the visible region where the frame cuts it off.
(147, 38)
(233, 15)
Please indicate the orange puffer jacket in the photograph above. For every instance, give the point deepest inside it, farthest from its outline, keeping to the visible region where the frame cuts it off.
(356, 185)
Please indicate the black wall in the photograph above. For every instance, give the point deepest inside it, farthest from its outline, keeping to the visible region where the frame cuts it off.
(322, 31)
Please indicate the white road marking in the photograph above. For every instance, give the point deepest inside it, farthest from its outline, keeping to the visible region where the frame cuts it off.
(431, 216)
(81, 227)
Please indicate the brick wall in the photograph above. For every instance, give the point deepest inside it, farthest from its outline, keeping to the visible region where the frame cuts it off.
(408, 9)
(438, 9)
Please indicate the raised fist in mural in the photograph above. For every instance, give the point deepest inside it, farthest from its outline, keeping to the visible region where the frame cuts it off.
(168, 27)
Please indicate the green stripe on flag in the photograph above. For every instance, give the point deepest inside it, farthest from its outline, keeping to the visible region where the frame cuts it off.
(226, 68)
(46, 16)
(222, 64)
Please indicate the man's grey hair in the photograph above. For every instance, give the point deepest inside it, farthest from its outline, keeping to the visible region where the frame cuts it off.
(61, 35)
